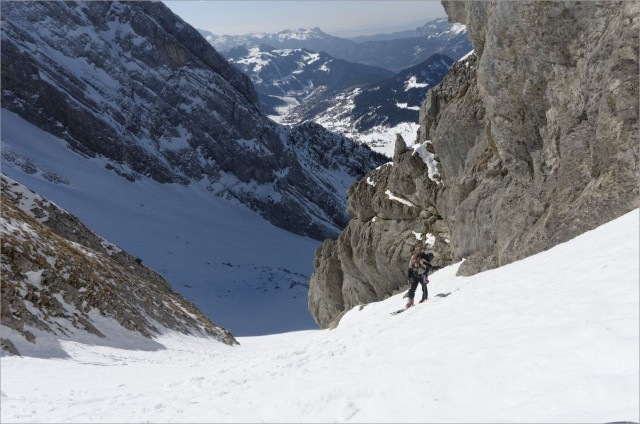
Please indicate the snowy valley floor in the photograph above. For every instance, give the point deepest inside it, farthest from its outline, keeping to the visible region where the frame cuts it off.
(552, 338)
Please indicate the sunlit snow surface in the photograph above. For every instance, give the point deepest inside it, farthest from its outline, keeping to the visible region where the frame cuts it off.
(552, 338)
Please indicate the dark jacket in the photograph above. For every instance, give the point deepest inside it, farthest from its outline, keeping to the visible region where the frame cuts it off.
(421, 268)
(418, 273)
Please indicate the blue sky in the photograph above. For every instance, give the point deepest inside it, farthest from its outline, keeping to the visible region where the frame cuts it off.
(342, 18)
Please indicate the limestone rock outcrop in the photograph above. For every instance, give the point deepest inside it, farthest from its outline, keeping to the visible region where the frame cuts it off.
(554, 148)
(393, 214)
(534, 141)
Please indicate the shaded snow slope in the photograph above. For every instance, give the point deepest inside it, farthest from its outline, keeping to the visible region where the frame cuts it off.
(240, 271)
(61, 281)
(551, 338)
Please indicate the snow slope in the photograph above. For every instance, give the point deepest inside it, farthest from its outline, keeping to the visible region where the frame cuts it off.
(242, 272)
(551, 338)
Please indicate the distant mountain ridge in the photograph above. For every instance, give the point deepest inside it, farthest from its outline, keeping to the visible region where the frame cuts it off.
(310, 38)
(300, 75)
(300, 84)
(434, 28)
(437, 36)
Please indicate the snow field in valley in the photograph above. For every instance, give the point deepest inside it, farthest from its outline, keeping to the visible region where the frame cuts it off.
(243, 273)
(551, 338)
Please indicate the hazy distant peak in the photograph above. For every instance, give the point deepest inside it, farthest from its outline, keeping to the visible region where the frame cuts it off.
(301, 34)
(439, 28)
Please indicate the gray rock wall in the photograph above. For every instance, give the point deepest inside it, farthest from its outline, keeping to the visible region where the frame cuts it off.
(555, 151)
(393, 214)
(536, 141)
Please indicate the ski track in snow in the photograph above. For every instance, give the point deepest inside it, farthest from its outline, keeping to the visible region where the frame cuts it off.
(551, 338)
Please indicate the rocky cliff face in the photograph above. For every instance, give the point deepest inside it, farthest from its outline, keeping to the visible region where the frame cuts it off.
(132, 83)
(393, 214)
(61, 279)
(556, 150)
(534, 141)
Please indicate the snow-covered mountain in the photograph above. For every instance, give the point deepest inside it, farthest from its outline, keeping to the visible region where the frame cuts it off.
(559, 329)
(313, 39)
(297, 84)
(285, 78)
(132, 83)
(60, 281)
(396, 54)
(126, 117)
(227, 42)
(375, 113)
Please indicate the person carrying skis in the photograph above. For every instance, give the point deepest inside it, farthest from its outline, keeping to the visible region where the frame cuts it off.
(419, 268)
